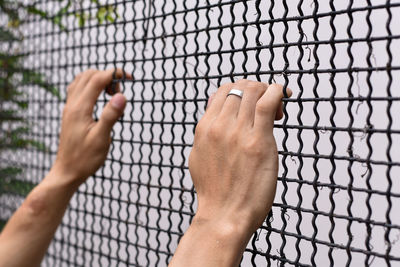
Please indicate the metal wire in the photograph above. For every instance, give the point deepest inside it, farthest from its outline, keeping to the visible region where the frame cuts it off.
(338, 188)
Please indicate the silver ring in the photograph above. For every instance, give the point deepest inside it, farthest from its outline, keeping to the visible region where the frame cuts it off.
(235, 92)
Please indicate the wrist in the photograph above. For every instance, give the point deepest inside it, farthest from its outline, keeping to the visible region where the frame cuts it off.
(57, 177)
(211, 242)
(233, 228)
(50, 195)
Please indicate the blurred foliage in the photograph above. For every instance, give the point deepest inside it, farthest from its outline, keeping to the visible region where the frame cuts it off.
(101, 13)
(11, 185)
(14, 77)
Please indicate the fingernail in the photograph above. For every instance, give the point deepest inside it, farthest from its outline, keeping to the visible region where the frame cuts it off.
(118, 101)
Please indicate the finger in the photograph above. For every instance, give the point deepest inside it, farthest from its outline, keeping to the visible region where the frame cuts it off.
(231, 106)
(72, 86)
(279, 112)
(113, 88)
(111, 112)
(98, 82)
(209, 101)
(218, 101)
(267, 107)
(85, 77)
(251, 95)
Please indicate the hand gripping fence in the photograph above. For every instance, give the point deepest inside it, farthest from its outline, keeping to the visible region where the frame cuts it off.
(338, 194)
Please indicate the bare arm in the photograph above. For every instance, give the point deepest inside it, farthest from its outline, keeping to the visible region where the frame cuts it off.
(234, 166)
(84, 144)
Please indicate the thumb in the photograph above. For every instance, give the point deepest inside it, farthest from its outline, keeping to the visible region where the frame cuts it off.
(112, 111)
(269, 108)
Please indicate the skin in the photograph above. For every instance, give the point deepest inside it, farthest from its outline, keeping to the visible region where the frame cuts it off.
(83, 148)
(234, 167)
(233, 164)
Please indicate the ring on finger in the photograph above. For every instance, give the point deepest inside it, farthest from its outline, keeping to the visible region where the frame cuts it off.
(235, 92)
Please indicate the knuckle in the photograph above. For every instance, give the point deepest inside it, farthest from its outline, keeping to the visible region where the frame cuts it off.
(256, 88)
(276, 85)
(215, 133)
(225, 86)
(77, 77)
(259, 91)
(199, 131)
(97, 78)
(254, 149)
(253, 86)
(233, 138)
(242, 82)
(90, 71)
(262, 107)
(71, 111)
(70, 89)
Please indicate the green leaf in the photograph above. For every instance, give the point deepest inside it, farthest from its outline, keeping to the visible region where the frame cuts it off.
(57, 18)
(33, 10)
(22, 104)
(10, 115)
(16, 139)
(19, 131)
(9, 8)
(9, 92)
(2, 224)
(107, 13)
(38, 145)
(57, 21)
(14, 23)
(32, 77)
(81, 19)
(64, 9)
(14, 186)
(11, 59)
(110, 18)
(8, 36)
(9, 172)
(101, 14)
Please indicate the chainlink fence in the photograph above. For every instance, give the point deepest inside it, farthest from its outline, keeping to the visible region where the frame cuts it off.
(338, 195)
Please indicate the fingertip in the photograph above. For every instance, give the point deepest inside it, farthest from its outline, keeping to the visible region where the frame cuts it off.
(113, 88)
(118, 101)
(128, 76)
(289, 92)
(119, 73)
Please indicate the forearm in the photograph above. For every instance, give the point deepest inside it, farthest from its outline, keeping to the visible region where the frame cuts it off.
(28, 233)
(84, 145)
(211, 243)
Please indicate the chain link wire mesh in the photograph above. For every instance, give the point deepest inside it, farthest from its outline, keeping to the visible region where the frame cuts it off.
(338, 191)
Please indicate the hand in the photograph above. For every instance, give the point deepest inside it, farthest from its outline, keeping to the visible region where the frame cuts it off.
(234, 160)
(84, 143)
